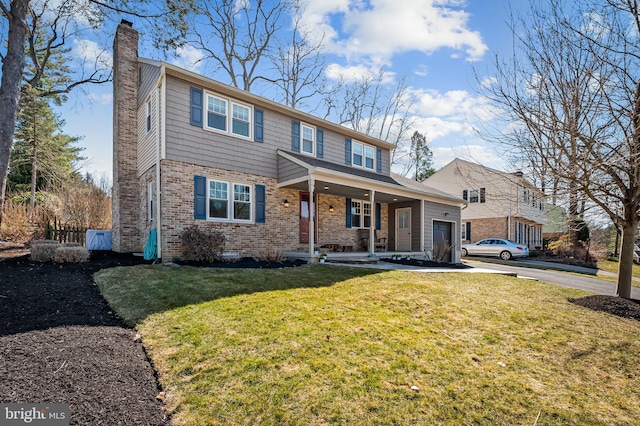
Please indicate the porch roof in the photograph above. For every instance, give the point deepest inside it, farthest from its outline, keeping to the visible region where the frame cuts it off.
(294, 170)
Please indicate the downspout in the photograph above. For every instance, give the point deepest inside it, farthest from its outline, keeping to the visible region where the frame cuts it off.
(312, 224)
(162, 91)
(422, 228)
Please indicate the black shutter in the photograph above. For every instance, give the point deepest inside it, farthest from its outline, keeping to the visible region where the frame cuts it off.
(295, 136)
(199, 197)
(378, 160)
(465, 195)
(261, 205)
(347, 151)
(258, 125)
(482, 195)
(319, 143)
(469, 231)
(196, 107)
(348, 215)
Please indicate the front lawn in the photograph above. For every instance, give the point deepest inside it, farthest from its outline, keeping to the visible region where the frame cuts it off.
(331, 345)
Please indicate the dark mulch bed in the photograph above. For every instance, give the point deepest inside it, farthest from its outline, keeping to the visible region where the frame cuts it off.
(626, 308)
(247, 262)
(427, 263)
(59, 342)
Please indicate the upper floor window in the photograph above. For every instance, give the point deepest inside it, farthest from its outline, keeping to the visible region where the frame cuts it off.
(474, 195)
(308, 139)
(363, 156)
(228, 116)
(148, 115)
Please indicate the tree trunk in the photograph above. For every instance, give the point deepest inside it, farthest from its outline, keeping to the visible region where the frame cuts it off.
(34, 175)
(12, 70)
(625, 265)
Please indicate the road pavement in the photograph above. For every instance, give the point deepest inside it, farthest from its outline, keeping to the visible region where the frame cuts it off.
(582, 282)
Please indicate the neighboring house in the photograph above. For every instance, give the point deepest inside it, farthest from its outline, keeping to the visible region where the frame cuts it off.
(500, 204)
(189, 150)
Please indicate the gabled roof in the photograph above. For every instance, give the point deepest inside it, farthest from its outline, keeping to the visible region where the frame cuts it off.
(260, 101)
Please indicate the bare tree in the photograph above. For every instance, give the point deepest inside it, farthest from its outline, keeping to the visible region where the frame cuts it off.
(299, 63)
(377, 107)
(574, 89)
(236, 35)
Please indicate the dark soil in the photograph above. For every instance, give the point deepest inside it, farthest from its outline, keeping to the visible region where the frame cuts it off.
(60, 343)
(626, 308)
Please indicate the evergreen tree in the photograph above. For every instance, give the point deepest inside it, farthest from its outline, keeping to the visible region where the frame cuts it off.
(421, 157)
(42, 156)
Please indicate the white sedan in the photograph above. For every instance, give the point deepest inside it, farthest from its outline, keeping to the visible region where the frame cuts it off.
(497, 247)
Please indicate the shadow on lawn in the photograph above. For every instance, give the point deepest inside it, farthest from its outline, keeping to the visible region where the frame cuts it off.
(136, 293)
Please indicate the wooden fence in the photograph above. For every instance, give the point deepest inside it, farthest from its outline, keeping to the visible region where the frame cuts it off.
(64, 232)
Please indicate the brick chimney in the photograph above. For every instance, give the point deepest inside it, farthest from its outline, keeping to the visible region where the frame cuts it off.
(126, 192)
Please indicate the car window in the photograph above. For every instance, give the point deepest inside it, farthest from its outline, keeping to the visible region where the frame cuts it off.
(501, 242)
(484, 242)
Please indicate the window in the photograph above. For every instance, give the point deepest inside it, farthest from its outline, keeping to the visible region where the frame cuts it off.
(150, 201)
(240, 121)
(148, 115)
(360, 214)
(228, 116)
(218, 200)
(474, 195)
(308, 139)
(241, 202)
(363, 156)
(369, 157)
(463, 236)
(230, 201)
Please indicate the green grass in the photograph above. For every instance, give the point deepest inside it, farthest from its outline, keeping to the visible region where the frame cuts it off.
(609, 266)
(321, 345)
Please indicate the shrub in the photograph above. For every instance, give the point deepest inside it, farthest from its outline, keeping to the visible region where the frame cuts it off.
(202, 245)
(71, 254)
(441, 251)
(43, 250)
(272, 256)
(16, 225)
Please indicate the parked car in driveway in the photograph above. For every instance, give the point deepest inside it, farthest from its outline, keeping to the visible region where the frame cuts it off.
(495, 247)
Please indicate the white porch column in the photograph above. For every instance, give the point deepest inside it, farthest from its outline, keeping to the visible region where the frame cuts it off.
(372, 227)
(312, 208)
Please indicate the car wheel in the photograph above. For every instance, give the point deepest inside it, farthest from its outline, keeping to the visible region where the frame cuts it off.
(463, 252)
(505, 255)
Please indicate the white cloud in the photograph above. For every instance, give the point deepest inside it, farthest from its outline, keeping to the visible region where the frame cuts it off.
(188, 57)
(92, 55)
(458, 105)
(380, 29)
(356, 73)
(101, 98)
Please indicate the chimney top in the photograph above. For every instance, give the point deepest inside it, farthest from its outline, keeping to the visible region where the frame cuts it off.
(127, 23)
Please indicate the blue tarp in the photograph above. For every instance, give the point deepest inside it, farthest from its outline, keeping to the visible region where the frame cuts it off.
(151, 247)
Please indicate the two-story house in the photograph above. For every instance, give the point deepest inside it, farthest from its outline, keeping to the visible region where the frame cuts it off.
(500, 204)
(189, 150)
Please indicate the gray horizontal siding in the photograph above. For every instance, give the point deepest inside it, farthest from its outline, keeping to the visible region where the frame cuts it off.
(288, 170)
(149, 75)
(195, 145)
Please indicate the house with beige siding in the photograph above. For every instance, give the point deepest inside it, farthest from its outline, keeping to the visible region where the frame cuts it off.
(500, 204)
(189, 150)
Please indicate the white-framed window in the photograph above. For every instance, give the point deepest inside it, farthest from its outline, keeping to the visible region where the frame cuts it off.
(149, 115)
(363, 156)
(360, 214)
(463, 234)
(474, 195)
(150, 201)
(229, 201)
(228, 116)
(308, 134)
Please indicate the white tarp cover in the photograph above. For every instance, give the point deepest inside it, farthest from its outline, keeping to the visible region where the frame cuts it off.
(98, 239)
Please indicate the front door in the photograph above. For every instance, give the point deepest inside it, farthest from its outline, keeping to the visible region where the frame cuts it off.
(305, 208)
(442, 239)
(403, 229)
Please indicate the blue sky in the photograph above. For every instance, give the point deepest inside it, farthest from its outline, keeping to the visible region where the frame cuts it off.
(437, 44)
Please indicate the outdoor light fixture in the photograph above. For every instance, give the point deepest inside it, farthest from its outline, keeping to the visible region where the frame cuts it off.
(445, 213)
(326, 188)
(330, 209)
(286, 203)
